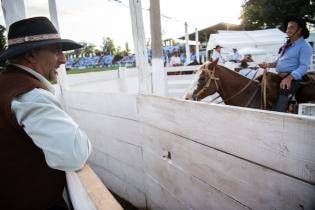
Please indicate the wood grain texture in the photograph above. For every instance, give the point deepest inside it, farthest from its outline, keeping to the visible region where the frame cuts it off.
(253, 185)
(97, 192)
(279, 141)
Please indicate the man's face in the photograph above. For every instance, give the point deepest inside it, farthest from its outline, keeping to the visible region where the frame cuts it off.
(293, 30)
(48, 60)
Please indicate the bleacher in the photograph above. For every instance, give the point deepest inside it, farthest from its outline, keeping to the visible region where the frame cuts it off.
(99, 61)
(128, 60)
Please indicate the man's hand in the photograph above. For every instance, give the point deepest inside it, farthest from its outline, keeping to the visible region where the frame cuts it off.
(286, 82)
(263, 65)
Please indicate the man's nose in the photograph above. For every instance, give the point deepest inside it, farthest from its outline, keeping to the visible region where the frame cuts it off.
(62, 58)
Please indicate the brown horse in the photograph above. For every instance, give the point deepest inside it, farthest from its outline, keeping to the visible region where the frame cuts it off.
(238, 90)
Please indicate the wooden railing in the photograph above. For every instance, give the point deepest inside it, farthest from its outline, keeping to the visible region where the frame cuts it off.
(88, 192)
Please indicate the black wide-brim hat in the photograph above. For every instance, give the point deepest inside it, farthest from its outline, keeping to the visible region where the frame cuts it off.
(31, 33)
(300, 22)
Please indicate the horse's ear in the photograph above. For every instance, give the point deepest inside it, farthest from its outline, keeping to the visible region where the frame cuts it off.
(213, 64)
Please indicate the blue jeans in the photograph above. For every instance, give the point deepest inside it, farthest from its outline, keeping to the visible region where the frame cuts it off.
(285, 94)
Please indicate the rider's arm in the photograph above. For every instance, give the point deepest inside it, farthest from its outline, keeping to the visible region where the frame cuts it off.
(265, 65)
(304, 61)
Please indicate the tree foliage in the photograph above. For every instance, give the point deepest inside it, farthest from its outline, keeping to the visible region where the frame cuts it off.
(258, 14)
(3, 43)
(108, 46)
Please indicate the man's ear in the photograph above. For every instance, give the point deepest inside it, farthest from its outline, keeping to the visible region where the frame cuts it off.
(31, 56)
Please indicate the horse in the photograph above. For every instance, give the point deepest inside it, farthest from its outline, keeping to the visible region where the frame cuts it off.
(238, 90)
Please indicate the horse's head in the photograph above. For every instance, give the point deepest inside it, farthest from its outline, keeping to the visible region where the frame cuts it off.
(205, 82)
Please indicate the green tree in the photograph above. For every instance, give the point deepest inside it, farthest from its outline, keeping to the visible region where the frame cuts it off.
(79, 52)
(3, 43)
(108, 46)
(258, 14)
(127, 49)
(89, 49)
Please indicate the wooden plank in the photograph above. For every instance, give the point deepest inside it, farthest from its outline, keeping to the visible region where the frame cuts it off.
(158, 198)
(121, 188)
(283, 142)
(194, 193)
(113, 104)
(98, 193)
(127, 173)
(182, 68)
(100, 127)
(253, 185)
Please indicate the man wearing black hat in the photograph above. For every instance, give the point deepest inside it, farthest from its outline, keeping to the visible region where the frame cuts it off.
(293, 61)
(216, 54)
(39, 140)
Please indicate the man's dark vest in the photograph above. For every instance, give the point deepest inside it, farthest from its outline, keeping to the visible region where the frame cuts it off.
(26, 181)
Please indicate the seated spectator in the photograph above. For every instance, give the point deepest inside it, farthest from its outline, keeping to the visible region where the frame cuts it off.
(216, 55)
(175, 59)
(248, 58)
(235, 56)
(246, 71)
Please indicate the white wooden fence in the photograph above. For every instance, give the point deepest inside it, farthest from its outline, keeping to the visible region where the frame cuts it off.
(162, 153)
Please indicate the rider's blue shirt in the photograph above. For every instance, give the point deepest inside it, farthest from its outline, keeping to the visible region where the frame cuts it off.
(295, 59)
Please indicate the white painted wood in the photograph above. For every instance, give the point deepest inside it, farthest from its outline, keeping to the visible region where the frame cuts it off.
(13, 11)
(101, 127)
(187, 44)
(122, 79)
(182, 68)
(139, 43)
(255, 186)
(120, 169)
(119, 104)
(158, 77)
(283, 142)
(158, 198)
(158, 73)
(194, 193)
(121, 188)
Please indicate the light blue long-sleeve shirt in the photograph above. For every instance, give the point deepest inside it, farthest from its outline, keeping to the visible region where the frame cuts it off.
(295, 59)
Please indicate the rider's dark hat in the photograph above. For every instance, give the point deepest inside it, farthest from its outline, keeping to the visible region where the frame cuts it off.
(31, 33)
(300, 22)
(218, 46)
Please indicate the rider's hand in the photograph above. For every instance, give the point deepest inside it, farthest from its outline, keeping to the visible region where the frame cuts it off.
(286, 82)
(263, 65)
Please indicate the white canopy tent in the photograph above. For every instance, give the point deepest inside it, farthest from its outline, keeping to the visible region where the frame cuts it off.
(269, 40)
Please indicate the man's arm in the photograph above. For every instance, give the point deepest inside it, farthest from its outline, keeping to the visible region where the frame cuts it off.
(64, 145)
(265, 65)
(305, 56)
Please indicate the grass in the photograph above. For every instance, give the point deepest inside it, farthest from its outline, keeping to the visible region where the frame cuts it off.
(90, 69)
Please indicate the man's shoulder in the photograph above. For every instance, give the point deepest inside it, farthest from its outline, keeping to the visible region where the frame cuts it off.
(37, 95)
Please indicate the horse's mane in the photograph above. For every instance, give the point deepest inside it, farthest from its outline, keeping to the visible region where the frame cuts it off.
(230, 71)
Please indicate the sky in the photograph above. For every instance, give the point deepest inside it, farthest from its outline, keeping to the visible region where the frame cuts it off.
(91, 20)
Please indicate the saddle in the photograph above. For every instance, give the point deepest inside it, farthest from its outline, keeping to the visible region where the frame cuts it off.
(305, 94)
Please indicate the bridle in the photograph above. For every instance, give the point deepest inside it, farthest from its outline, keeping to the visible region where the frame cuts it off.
(212, 77)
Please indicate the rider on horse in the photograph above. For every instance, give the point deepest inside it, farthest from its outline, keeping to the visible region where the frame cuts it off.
(293, 61)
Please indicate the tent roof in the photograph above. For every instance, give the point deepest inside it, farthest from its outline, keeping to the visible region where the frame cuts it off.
(241, 39)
